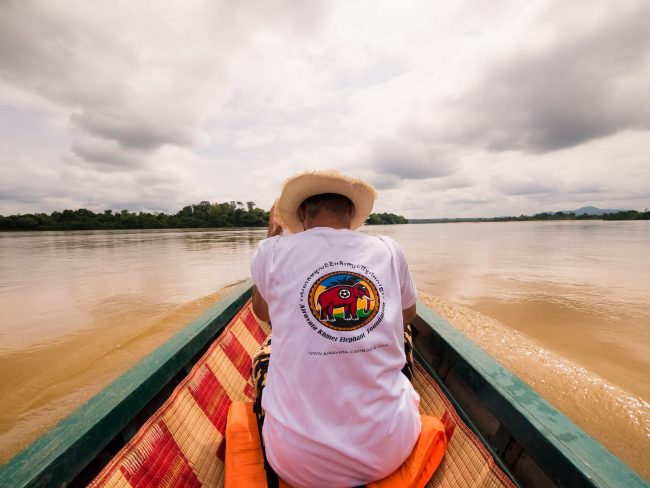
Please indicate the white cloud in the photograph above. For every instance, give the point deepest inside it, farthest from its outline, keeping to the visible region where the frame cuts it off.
(450, 108)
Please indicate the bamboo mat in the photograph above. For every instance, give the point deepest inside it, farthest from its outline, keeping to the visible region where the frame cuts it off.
(466, 462)
(183, 443)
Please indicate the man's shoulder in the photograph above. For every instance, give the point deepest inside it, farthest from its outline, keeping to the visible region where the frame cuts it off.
(387, 241)
(282, 241)
(385, 238)
(264, 247)
(269, 241)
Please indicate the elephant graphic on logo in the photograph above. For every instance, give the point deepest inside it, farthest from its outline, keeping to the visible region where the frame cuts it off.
(342, 296)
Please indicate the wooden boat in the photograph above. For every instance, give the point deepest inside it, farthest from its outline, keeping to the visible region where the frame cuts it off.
(162, 422)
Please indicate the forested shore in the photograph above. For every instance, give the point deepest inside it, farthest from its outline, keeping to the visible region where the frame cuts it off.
(622, 215)
(237, 214)
(200, 215)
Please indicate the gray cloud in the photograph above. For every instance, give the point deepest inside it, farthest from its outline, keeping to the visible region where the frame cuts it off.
(470, 200)
(589, 83)
(526, 187)
(384, 181)
(408, 158)
(296, 17)
(134, 130)
(586, 188)
(106, 153)
(139, 78)
(21, 195)
(64, 54)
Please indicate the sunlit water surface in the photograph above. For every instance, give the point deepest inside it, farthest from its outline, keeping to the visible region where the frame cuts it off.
(78, 308)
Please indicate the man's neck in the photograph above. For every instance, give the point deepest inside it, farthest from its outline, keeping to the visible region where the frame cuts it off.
(326, 221)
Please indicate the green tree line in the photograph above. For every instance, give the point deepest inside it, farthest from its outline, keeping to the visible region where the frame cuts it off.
(385, 218)
(622, 215)
(238, 214)
(199, 215)
(203, 214)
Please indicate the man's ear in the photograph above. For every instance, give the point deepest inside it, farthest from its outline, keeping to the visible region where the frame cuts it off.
(301, 213)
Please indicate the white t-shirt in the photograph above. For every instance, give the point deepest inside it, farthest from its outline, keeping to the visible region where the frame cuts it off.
(339, 412)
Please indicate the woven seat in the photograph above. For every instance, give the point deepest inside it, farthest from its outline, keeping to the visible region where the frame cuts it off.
(183, 443)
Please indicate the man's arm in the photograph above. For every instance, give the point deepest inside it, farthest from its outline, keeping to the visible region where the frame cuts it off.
(275, 229)
(260, 307)
(408, 315)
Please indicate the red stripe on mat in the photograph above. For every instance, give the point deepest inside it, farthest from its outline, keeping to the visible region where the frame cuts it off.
(211, 397)
(449, 424)
(238, 356)
(161, 463)
(249, 391)
(251, 324)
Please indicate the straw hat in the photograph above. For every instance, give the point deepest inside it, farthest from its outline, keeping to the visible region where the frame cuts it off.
(304, 185)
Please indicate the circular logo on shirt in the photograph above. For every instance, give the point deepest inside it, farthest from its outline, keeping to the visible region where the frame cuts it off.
(343, 300)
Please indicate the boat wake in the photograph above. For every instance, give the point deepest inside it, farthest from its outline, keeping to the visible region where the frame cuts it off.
(616, 418)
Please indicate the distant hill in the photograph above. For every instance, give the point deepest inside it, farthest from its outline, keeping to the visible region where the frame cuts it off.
(589, 210)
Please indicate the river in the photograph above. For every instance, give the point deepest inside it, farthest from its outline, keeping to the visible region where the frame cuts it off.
(565, 305)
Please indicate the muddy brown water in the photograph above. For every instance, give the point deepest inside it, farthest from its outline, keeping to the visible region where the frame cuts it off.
(565, 305)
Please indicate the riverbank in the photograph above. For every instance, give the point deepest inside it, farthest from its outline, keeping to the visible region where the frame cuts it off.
(233, 215)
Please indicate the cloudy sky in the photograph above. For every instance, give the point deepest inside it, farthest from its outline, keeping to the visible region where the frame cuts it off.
(464, 108)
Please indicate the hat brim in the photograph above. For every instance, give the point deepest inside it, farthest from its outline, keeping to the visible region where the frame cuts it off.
(302, 186)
